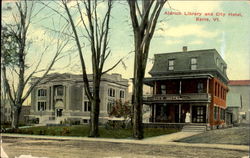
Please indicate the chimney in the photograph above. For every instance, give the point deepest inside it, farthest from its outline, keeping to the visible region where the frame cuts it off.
(184, 48)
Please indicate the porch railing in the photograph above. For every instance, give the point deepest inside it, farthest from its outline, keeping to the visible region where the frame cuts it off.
(178, 97)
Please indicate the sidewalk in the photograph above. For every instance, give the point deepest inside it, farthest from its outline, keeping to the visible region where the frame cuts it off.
(160, 140)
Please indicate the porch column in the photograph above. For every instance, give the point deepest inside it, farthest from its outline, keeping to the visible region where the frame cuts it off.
(64, 96)
(179, 113)
(154, 112)
(207, 113)
(191, 113)
(52, 98)
(180, 88)
(154, 89)
(207, 85)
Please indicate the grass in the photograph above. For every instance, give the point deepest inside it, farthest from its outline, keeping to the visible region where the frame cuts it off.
(82, 131)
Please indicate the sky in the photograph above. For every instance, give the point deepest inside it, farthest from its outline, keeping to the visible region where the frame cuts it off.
(229, 35)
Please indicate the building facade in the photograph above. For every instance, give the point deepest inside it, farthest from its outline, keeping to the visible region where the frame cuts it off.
(5, 111)
(239, 100)
(60, 98)
(188, 87)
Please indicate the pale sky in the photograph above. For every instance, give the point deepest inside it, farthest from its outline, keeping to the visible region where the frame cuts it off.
(230, 36)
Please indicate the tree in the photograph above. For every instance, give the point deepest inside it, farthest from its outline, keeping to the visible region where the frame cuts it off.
(97, 30)
(14, 50)
(144, 20)
(121, 109)
(121, 112)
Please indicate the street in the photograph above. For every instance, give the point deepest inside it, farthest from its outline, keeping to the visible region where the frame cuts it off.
(15, 147)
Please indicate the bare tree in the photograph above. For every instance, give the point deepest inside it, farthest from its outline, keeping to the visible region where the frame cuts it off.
(14, 61)
(97, 30)
(144, 18)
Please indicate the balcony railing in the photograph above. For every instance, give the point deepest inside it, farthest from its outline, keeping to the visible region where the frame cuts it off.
(177, 97)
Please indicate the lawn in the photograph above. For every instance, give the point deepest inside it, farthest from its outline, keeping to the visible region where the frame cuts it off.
(235, 135)
(82, 131)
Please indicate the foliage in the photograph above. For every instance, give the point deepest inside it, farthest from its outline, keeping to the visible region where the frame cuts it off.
(121, 109)
(9, 47)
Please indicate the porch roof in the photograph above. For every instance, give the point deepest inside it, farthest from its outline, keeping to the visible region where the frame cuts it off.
(150, 80)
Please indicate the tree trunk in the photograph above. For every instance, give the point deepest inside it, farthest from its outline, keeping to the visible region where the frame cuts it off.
(95, 110)
(15, 117)
(137, 105)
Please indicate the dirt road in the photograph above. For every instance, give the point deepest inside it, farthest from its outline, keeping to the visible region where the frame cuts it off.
(15, 147)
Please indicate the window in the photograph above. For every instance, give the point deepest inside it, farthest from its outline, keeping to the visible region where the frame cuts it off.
(41, 106)
(122, 94)
(200, 87)
(224, 69)
(215, 113)
(59, 90)
(111, 92)
(215, 89)
(218, 91)
(200, 114)
(222, 114)
(85, 121)
(59, 112)
(110, 106)
(221, 93)
(87, 106)
(193, 63)
(217, 62)
(42, 92)
(163, 89)
(171, 64)
(221, 66)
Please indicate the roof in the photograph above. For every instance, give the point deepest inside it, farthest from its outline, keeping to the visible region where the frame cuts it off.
(239, 83)
(77, 78)
(208, 61)
(150, 80)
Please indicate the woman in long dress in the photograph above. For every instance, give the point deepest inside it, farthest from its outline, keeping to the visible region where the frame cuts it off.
(187, 119)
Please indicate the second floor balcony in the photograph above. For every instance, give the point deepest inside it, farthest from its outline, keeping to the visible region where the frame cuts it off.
(171, 98)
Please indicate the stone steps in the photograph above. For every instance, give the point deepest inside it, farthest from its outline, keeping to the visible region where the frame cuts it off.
(194, 128)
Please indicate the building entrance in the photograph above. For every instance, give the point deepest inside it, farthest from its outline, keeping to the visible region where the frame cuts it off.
(199, 114)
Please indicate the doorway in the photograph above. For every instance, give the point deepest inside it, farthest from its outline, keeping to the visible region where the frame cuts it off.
(59, 112)
(199, 114)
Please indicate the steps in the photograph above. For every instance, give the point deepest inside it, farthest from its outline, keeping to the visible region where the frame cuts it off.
(194, 128)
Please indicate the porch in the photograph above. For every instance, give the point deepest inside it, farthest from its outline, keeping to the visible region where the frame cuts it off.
(182, 113)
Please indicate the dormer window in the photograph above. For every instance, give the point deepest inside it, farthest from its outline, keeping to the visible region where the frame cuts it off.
(193, 63)
(171, 64)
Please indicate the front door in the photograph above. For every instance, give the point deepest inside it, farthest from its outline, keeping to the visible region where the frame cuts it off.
(59, 112)
(199, 114)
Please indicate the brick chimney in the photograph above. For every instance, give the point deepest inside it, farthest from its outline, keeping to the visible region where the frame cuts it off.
(184, 48)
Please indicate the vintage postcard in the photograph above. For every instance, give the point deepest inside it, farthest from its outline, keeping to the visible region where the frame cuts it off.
(125, 78)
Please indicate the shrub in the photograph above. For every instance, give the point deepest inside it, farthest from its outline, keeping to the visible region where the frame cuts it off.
(65, 131)
(42, 132)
